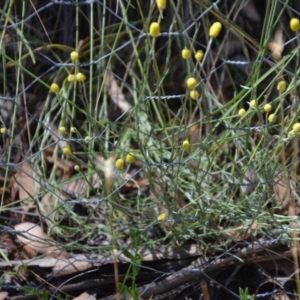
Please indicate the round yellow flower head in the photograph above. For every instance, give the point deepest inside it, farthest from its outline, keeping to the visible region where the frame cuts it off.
(281, 86)
(253, 103)
(3, 130)
(295, 24)
(54, 88)
(186, 145)
(199, 55)
(296, 127)
(87, 139)
(162, 217)
(154, 29)
(130, 158)
(119, 164)
(215, 29)
(291, 134)
(194, 94)
(161, 4)
(186, 53)
(267, 107)
(71, 77)
(271, 117)
(76, 168)
(74, 55)
(73, 129)
(62, 129)
(191, 83)
(67, 150)
(80, 77)
(242, 112)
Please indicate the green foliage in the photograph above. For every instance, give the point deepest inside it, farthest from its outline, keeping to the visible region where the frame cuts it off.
(132, 96)
(42, 294)
(135, 265)
(244, 294)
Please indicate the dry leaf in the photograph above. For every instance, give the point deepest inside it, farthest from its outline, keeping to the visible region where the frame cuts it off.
(116, 94)
(26, 185)
(80, 186)
(281, 296)
(3, 295)
(27, 252)
(85, 296)
(34, 237)
(76, 188)
(282, 192)
(47, 204)
(107, 166)
(277, 44)
(248, 181)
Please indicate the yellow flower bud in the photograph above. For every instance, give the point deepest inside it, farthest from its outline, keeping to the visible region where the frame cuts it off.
(186, 145)
(294, 24)
(87, 139)
(130, 158)
(76, 168)
(281, 86)
(71, 77)
(199, 55)
(162, 217)
(271, 117)
(161, 4)
(67, 150)
(215, 29)
(296, 127)
(73, 129)
(267, 107)
(242, 112)
(186, 53)
(291, 134)
(80, 77)
(119, 164)
(194, 94)
(54, 88)
(253, 103)
(74, 55)
(154, 29)
(191, 83)
(3, 130)
(62, 129)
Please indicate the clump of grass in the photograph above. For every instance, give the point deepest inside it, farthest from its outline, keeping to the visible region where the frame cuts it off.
(130, 100)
